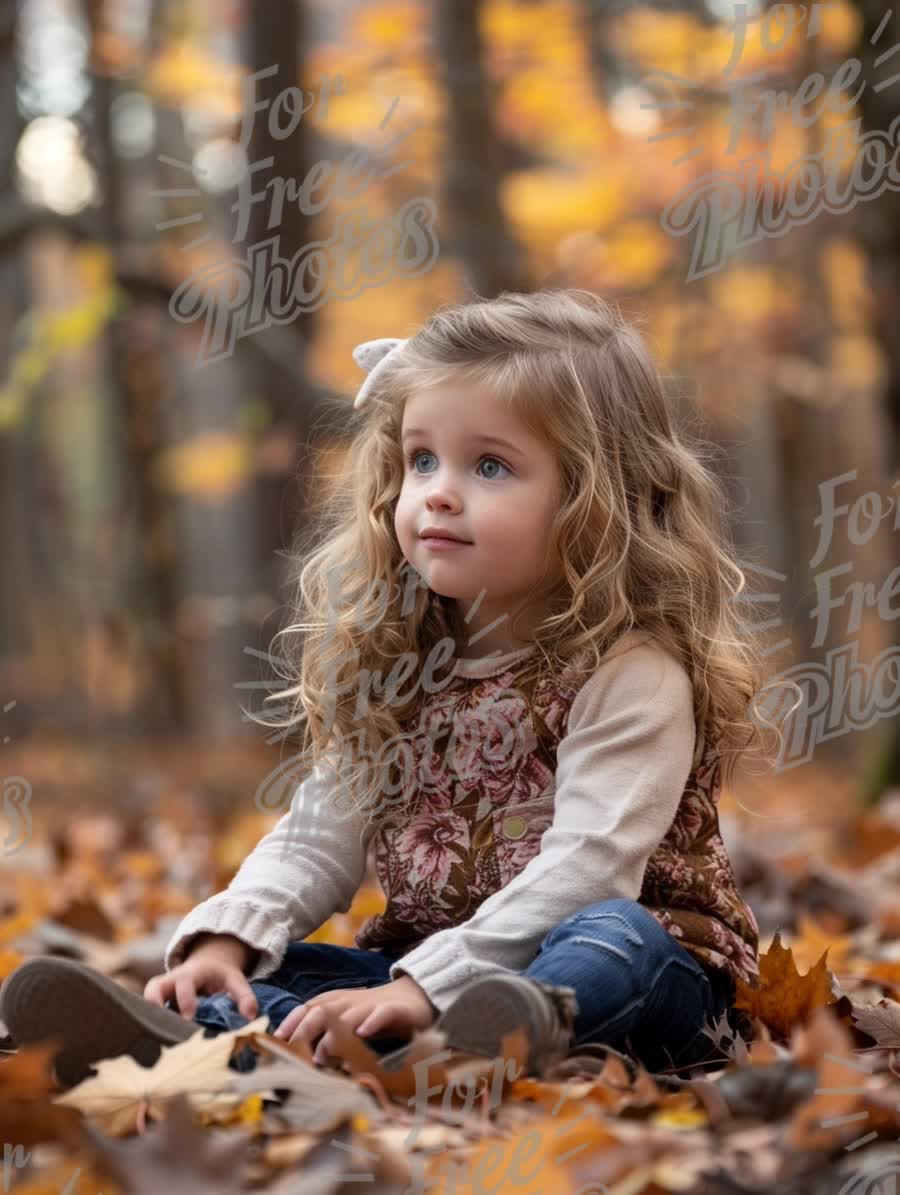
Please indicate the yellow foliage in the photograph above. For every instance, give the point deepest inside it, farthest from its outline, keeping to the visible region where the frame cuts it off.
(813, 941)
(545, 204)
(638, 251)
(389, 26)
(674, 42)
(526, 28)
(858, 362)
(13, 927)
(681, 1112)
(843, 267)
(181, 72)
(54, 332)
(211, 466)
(752, 293)
(95, 264)
(840, 26)
(340, 928)
(677, 43)
(556, 109)
(395, 309)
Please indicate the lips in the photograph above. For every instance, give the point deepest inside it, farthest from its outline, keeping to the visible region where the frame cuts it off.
(437, 533)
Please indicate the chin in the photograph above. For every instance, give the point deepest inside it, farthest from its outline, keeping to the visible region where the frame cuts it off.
(444, 591)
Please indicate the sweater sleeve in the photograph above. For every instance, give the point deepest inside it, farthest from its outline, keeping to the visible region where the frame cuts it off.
(621, 771)
(306, 868)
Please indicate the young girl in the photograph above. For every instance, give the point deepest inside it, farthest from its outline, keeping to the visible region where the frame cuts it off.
(520, 675)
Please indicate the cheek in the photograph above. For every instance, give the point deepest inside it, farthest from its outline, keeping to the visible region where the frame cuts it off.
(500, 520)
(403, 519)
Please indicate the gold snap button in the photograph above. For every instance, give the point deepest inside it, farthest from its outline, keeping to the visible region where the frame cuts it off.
(514, 827)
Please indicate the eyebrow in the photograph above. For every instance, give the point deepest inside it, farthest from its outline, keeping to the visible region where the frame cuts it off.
(480, 439)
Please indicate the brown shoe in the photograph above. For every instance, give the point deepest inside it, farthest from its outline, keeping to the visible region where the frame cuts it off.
(93, 1015)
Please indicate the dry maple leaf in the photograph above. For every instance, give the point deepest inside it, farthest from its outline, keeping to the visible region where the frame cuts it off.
(318, 1100)
(880, 1021)
(123, 1093)
(175, 1156)
(428, 1061)
(784, 997)
(831, 1116)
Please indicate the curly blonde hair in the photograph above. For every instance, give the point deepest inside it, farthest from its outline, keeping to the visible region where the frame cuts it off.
(641, 532)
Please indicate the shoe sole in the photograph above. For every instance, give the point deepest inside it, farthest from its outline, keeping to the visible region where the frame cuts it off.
(486, 1011)
(94, 1016)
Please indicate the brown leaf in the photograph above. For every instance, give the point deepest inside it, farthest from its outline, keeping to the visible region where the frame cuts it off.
(784, 998)
(832, 1115)
(29, 1122)
(175, 1156)
(27, 1073)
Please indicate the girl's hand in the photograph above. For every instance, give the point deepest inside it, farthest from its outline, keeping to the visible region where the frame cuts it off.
(400, 1005)
(215, 964)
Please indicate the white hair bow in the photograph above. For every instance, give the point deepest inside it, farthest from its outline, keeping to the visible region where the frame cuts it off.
(372, 356)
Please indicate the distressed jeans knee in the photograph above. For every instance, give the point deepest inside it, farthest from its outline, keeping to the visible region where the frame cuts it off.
(637, 988)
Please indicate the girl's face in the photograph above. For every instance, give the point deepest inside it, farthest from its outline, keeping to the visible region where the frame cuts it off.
(499, 497)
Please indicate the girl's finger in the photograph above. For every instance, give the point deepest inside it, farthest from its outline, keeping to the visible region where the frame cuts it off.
(323, 1049)
(184, 994)
(353, 1018)
(294, 1017)
(378, 1018)
(290, 1022)
(243, 996)
(314, 1023)
(356, 1017)
(309, 1027)
(155, 990)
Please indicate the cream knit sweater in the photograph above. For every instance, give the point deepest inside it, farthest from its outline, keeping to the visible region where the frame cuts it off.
(621, 771)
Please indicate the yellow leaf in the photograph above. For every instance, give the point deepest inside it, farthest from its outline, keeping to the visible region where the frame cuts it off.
(754, 293)
(813, 940)
(546, 204)
(843, 267)
(391, 27)
(181, 72)
(840, 25)
(95, 265)
(123, 1092)
(638, 251)
(211, 466)
(857, 362)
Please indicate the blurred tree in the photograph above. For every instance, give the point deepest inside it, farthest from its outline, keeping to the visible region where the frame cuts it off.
(879, 231)
(479, 235)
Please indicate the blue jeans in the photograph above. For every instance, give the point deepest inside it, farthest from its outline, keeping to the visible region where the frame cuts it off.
(637, 989)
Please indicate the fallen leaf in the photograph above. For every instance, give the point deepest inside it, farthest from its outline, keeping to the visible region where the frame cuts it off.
(784, 997)
(123, 1093)
(880, 1021)
(176, 1157)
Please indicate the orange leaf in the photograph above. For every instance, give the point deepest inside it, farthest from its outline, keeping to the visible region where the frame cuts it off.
(784, 997)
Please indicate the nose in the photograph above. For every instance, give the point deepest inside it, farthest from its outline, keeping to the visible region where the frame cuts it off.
(442, 496)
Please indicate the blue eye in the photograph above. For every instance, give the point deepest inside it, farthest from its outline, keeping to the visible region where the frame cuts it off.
(413, 456)
(496, 462)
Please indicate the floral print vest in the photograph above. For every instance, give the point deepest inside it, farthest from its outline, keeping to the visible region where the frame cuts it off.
(466, 836)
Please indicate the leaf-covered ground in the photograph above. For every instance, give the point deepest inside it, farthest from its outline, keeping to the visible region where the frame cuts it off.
(125, 843)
